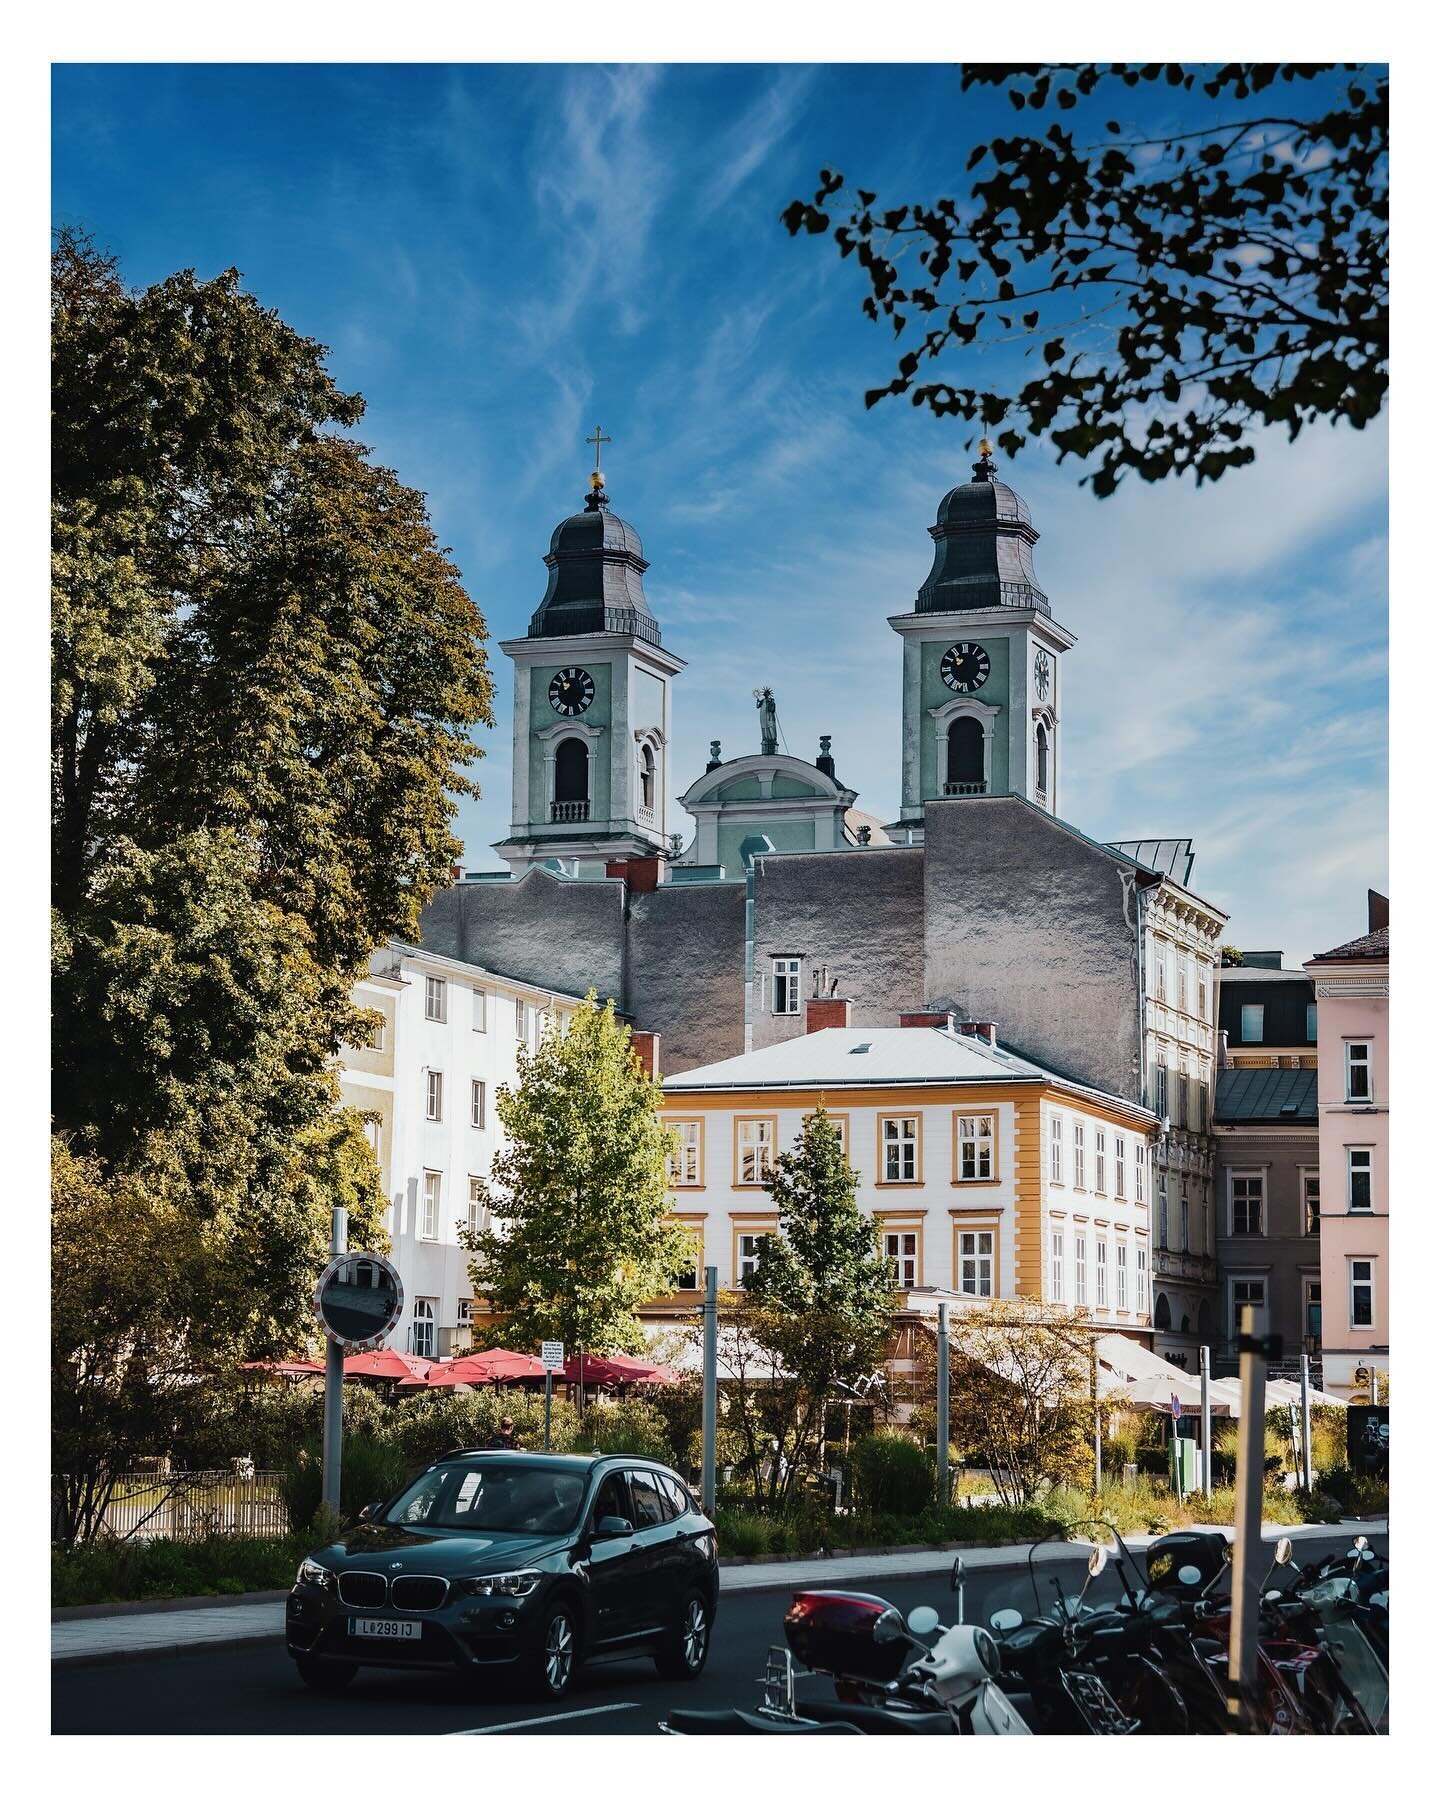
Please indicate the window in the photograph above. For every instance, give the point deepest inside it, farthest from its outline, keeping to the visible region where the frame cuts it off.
(1182, 981)
(434, 999)
(1080, 1155)
(1357, 1071)
(647, 780)
(372, 1134)
(477, 1216)
(1310, 1023)
(1310, 1187)
(520, 1020)
(1160, 988)
(1142, 1279)
(1140, 1173)
(747, 1254)
(1057, 1267)
(1312, 1310)
(1122, 1277)
(1099, 1161)
(785, 986)
(1202, 976)
(1162, 1090)
(645, 1501)
(1247, 1198)
(477, 1104)
(689, 1280)
(1357, 1175)
(1057, 1151)
(430, 1207)
(462, 1313)
(685, 1163)
(1082, 1258)
(1042, 761)
(1202, 1095)
(1252, 1023)
(1119, 1167)
(1184, 1223)
(902, 1251)
(1182, 1100)
(1362, 1295)
(975, 1148)
(1102, 1273)
(756, 1138)
(900, 1140)
(965, 757)
(422, 1329)
(434, 1095)
(977, 1263)
(478, 1019)
(1242, 1293)
(1162, 1212)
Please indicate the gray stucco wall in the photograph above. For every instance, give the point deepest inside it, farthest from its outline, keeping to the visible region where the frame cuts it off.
(1033, 927)
(566, 934)
(858, 912)
(686, 971)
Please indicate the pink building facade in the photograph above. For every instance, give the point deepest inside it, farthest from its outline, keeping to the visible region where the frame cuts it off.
(1352, 992)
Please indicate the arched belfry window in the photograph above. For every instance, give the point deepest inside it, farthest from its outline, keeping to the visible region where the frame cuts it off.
(965, 757)
(647, 781)
(571, 804)
(1042, 760)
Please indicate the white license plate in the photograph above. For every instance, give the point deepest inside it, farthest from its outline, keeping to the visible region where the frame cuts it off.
(392, 1628)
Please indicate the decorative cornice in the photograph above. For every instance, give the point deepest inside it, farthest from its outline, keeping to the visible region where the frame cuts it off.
(1363, 987)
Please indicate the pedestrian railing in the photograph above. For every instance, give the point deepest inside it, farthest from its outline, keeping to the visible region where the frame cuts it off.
(234, 1501)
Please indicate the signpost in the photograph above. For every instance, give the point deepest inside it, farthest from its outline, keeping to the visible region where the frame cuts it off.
(1175, 1445)
(552, 1355)
(942, 1405)
(710, 1393)
(1246, 1570)
(1305, 1443)
(358, 1300)
(1205, 1420)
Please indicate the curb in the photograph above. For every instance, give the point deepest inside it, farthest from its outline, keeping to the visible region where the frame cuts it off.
(160, 1651)
(149, 1607)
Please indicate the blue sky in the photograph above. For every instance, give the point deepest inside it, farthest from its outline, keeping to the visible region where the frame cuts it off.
(500, 256)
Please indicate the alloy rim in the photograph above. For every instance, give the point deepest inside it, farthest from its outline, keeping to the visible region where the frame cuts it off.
(694, 1634)
(559, 1652)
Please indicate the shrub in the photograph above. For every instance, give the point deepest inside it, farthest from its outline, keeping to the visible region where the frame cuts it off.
(301, 1483)
(109, 1572)
(891, 1472)
(630, 1427)
(1357, 1494)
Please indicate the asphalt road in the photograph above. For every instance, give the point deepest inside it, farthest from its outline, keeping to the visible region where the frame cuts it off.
(255, 1691)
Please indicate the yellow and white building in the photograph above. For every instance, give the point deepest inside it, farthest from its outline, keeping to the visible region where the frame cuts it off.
(989, 1175)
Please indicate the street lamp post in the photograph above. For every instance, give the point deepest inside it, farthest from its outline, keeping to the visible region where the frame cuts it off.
(334, 1382)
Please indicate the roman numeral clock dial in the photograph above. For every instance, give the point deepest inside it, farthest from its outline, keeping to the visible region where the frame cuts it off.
(964, 667)
(571, 692)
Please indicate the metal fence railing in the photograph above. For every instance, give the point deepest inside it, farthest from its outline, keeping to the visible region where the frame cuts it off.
(183, 1506)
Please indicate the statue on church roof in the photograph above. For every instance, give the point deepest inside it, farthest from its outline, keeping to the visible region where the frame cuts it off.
(769, 725)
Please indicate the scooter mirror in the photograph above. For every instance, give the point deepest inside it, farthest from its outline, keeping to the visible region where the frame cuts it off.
(889, 1626)
(1188, 1574)
(1001, 1621)
(1284, 1549)
(923, 1620)
(957, 1575)
(1362, 1542)
(1274, 1595)
(1099, 1560)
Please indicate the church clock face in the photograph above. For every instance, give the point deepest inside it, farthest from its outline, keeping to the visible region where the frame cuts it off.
(571, 692)
(1042, 674)
(964, 667)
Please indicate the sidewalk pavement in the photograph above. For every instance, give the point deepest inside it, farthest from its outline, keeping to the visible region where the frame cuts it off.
(187, 1628)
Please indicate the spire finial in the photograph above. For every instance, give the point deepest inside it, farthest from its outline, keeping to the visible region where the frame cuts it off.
(984, 469)
(596, 497)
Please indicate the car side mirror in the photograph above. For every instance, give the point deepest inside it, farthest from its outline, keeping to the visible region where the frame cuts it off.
(367, 1513)
(609, 1527)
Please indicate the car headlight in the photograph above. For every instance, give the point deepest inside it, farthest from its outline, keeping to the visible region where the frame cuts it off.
(311, 1573)
(518, 1584)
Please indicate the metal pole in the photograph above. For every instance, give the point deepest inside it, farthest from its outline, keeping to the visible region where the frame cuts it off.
(1095, 1414)
(1205, 1420)
(1374, 1386)
(334, 1383)
(1305, 1454)
(549, 1378)
(942, 1406)
(712, 1351)
(1246, 1570)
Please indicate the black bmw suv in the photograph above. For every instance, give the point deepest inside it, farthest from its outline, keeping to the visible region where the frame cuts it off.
(493, 1558)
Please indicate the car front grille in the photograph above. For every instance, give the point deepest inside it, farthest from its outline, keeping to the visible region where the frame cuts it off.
(363, 1590)
(418, 1592)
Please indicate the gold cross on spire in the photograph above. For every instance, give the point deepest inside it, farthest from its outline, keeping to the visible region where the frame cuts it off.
(597, 479)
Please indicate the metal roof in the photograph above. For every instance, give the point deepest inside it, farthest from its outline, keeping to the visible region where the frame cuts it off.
(1173, 856)
(983, 543)
(1248, 976)
(1266, 1095)
(597, 572)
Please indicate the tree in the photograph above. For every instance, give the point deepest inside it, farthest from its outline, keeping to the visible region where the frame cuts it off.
(1021, 1398)
(1179, 289)
(818, 1306)
(581, 1194)
(264, 676)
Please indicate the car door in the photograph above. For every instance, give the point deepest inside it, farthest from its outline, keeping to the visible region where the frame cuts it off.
(653, 1554)
(613, 1588)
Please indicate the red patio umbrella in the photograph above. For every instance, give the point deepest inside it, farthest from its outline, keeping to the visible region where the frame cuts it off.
(386, 1364)
(294, 1369)
(618, 1370)
(493, 1367)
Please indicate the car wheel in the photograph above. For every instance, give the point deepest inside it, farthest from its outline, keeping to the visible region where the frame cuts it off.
(559, 1657)
(326, 1676)
(685, 1654)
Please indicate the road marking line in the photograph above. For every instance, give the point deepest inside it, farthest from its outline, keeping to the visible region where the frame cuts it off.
(495, 1729)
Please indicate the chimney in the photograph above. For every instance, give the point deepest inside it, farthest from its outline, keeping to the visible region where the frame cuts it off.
(1377, 910)
(641, 873)
(457, 874)
(983, 1028)
(646, 1044)
(927, 1020)
(828, 1013)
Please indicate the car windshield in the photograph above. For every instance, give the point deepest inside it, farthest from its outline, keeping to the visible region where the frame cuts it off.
(492, 1496)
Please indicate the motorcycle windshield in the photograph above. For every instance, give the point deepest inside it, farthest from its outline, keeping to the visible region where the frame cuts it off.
(1367, 1683)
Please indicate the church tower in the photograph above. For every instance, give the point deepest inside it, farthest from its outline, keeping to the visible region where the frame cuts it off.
(592, 702)
(982, 659)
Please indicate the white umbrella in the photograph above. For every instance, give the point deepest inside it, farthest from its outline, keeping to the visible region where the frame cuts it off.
(1157, 1392)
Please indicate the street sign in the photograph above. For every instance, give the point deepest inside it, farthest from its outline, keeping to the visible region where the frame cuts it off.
(1175, 1406)
(552, 1357)
(358, 1300)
